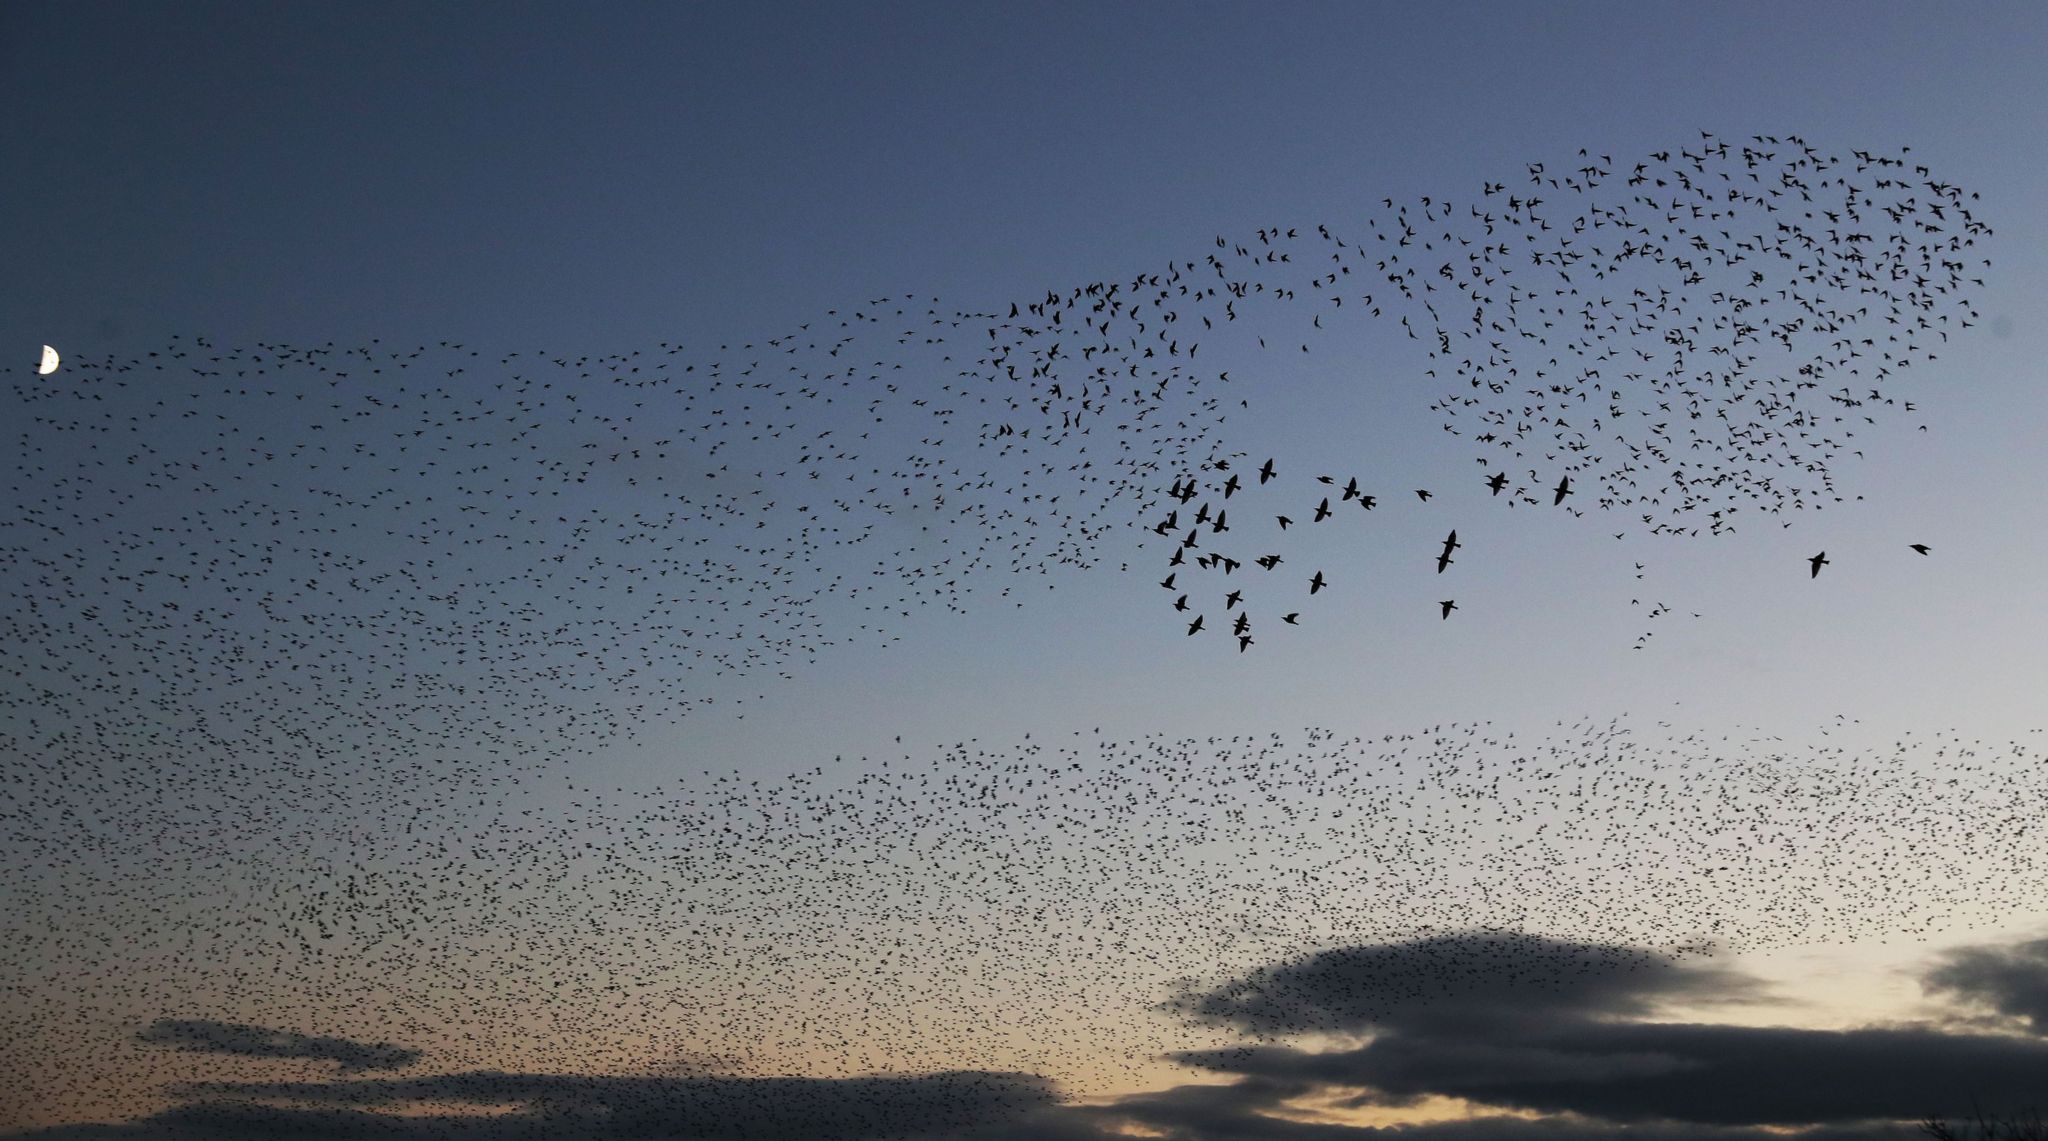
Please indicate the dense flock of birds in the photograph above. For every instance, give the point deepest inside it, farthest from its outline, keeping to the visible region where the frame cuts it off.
(1055, 907)
(271, 545)
(296, 636)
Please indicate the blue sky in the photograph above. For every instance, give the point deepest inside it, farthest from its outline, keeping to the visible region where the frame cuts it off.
(588, 180)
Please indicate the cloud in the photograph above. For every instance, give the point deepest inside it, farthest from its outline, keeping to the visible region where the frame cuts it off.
(2012, 980)
(1187, 1113)
(1549, 1041)
(207, 1036)
(1465, 981)
(1706, 1074)
(496, 1106)
(1521, 1023)
(1247, 1112)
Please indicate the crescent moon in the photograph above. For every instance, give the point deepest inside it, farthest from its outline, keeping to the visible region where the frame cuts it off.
(50, 361)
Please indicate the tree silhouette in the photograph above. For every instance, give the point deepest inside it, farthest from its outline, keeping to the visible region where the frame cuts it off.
(2026, 1126)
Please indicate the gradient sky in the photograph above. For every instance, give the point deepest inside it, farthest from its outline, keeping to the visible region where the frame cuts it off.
(590, 179)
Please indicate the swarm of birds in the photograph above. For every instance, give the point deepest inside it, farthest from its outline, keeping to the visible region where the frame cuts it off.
(1686, 338)
(298, 636)
(315, 546)
(998, 906)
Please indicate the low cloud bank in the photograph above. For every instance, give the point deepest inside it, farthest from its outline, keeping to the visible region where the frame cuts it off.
(1549, 1040)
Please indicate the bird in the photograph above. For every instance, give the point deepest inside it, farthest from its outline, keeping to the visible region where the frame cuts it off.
(1316, 583)
(1816, 562)
(1920, 547)
(1448, 606)
(1564, 488)
(1498, 481)
(1444, 559)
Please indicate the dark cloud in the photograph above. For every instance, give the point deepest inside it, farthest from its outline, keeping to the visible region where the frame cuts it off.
(1707, 1074)
(1246, 1112)
(1460, 980)
(494, 1106)
(1522, 1023)
(2012, 980)
(1508, 1023)
(204, 1035)
(1189, 1113)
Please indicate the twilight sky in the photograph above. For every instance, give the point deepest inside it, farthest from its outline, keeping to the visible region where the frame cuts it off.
(531, 607)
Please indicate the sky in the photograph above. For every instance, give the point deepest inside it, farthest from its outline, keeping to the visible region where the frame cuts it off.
(657, 690)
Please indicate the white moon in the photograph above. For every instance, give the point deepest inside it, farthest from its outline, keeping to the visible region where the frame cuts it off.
(50, 360)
